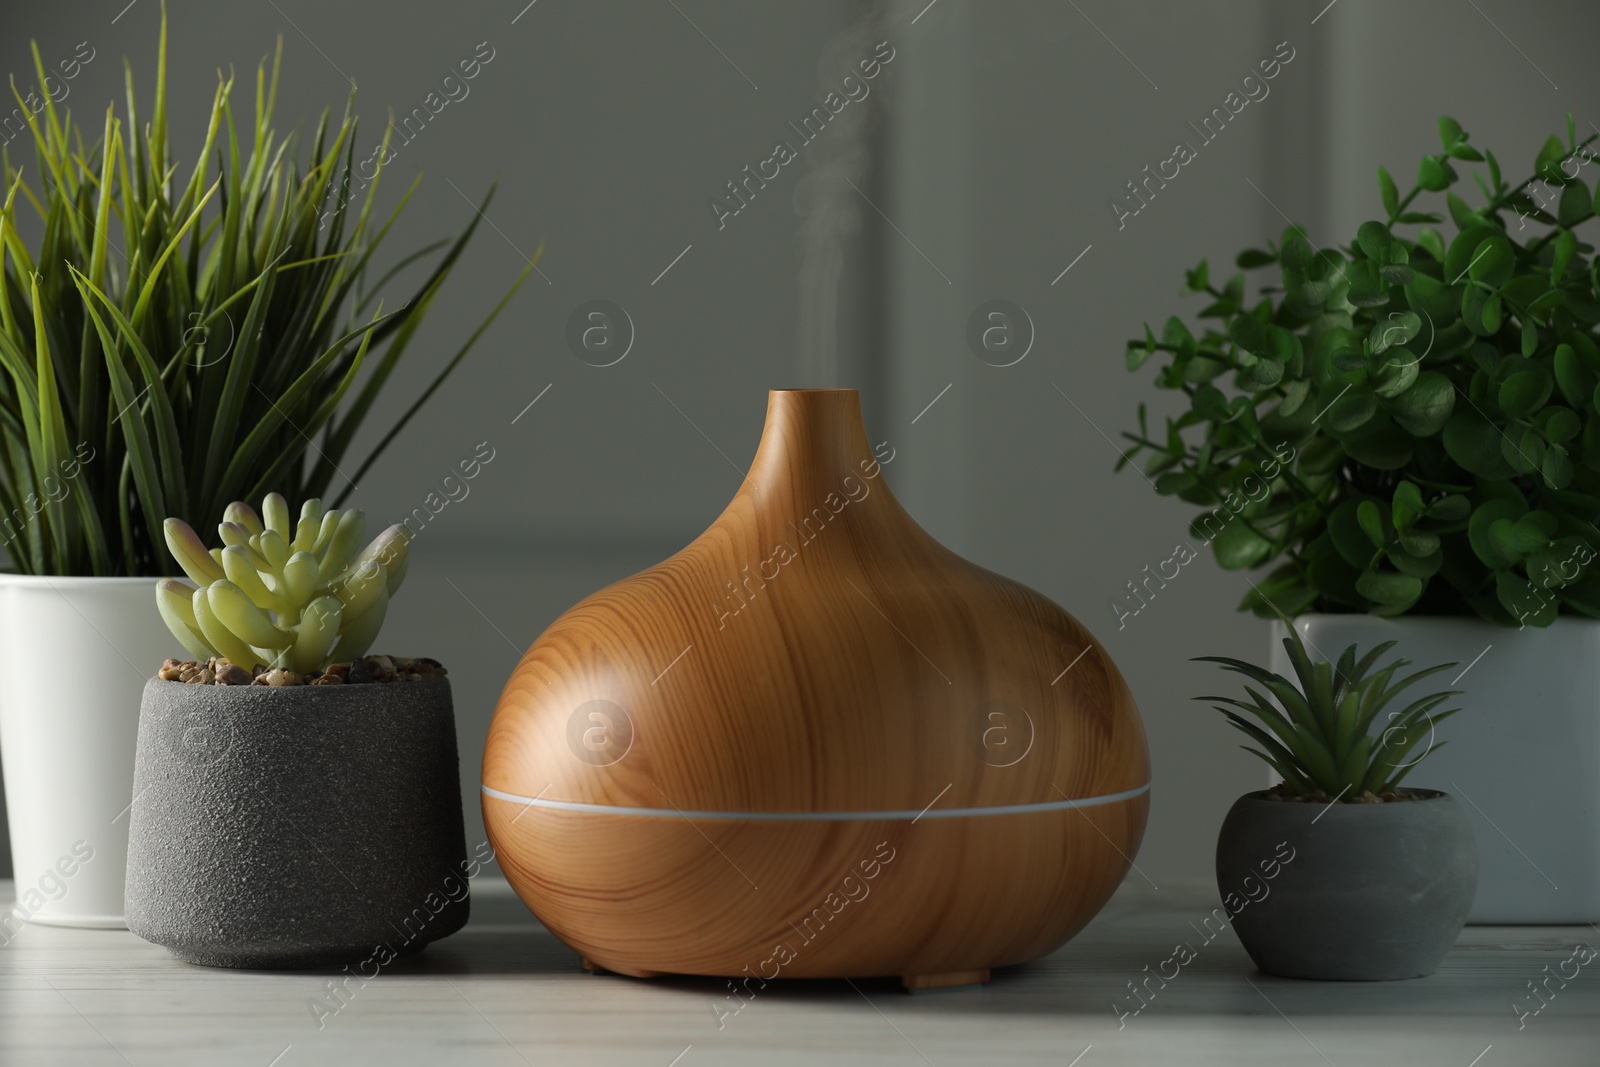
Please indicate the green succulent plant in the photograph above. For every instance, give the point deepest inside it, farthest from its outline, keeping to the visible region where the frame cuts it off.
(1319, 733)
(1436, 394)
(296, 596)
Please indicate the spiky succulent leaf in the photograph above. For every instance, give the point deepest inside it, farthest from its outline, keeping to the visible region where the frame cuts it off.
(242, 572)
(360, 590)
(218, 636)
(305, 535)
(1319, 735)
(359, 635)
(330, 523)
(240, 615)
(272, 545)
(1290, 772)
(190, 552)
(244, 515)
(174, 602)
(397, 573)
(319, 629)
(300, 578)
(343, 545)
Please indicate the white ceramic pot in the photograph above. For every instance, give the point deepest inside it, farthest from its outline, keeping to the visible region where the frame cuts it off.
(77, 654)
(1520, 756)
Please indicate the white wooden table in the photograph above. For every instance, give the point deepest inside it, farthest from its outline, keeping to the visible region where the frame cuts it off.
(505, 992)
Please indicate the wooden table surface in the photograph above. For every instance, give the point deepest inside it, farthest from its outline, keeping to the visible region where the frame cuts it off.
(505, 992)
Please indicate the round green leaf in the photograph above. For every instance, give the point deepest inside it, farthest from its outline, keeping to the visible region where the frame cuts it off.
(1371, 520)
(1238, 547)
(1388, 193)
(1474, 443)
(1350, 411)
(1519, 538)
(1501, 539)
(1295, 252)
(1429, 239)
(1526, 605)
(1397, 274)
(1395, 592)
(1396, 328)
(1566, 245)
(1557, 467)
(1547, 164)
(1380, 444)
(1246, 332)
(1432, 174)
(1259, 374)
(1433, 298)
(1559, 424)
(1575, 203)
(1522, 450)
(1525, 392)
(1294, 398)
(1396, 373)
(1492, 262)
(1210, 404)
(1407, 505)
(1572, 376)
(1203, 369)
(1473, 302)
(1367, 288)
(1462, 250)
(1450, 508)
(1423, 409)
(1498, 509)
(1449, 132)
(1493, 315)
(1349, 539)
(1419, 545)
(1373, 239)
(1323, 455)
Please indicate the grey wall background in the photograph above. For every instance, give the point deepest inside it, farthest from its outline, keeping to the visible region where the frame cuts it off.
(985, 158)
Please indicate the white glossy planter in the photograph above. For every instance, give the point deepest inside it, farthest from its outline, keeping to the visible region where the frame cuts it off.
(77, 654)
(1521, 754)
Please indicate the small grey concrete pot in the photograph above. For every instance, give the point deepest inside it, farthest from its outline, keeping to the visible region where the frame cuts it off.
(297, 826)
(1352, 892)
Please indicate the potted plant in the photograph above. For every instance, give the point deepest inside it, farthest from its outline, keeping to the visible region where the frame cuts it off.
(170, 343)
(298, 800)
(1405, 429)
(1339, 872)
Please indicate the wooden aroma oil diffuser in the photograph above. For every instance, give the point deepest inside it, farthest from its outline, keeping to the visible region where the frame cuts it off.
(815, 743)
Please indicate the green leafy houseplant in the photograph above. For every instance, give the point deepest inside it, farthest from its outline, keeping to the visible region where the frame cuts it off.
(1318, 734)
(1438, 397)
(290, 595)
(170, 345)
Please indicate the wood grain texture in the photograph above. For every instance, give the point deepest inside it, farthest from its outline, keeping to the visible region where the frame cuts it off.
(814, 651)
(812, 900)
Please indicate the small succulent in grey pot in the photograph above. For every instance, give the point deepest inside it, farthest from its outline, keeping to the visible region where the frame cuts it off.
(1339, 872)
(297, 801)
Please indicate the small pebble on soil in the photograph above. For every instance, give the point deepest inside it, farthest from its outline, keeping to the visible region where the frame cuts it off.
(367, 669)
(1318, 796)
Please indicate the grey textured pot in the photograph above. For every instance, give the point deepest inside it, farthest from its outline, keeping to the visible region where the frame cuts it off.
(1361, 892)
(296, 827)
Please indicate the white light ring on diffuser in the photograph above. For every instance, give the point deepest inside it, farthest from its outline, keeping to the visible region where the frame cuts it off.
(817, 816)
